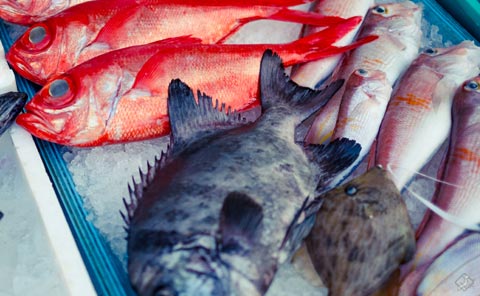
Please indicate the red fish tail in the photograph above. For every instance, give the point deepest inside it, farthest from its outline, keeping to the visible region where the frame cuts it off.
(332, 33)
(319, 51)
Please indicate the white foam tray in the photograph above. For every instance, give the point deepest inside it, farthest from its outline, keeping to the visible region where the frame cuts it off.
(19, 144)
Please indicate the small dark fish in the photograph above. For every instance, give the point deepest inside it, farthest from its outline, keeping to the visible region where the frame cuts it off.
(1, 215)
(229, 201)
(361, 235)
(11, 104)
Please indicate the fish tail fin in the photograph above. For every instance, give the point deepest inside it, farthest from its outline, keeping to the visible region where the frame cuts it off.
(277, 88)
(302, 17)
(11, 104)
(331, 33)
(319, 49)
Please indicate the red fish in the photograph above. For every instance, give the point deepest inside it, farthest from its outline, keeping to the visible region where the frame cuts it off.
(30, 11)
(94, 28)
(112, 98)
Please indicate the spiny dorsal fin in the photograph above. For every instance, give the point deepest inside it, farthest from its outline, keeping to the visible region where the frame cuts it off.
(190, 121)
(135, 191)
(333, 158)
(277, 88)
(240, 218)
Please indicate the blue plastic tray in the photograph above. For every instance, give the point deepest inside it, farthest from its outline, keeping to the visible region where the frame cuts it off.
(105, 270)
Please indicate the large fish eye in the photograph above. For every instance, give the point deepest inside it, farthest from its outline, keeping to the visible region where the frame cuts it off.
(351, 190)
(58, 88)
(37, 34)
(380, 9)
(471, 85)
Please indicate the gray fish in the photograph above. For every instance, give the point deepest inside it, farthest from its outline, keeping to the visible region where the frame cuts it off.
(11, 104)
(361, 235)
(229, 201)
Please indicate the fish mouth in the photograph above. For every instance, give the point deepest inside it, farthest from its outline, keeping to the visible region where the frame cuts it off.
(38, 126)
(25, 69)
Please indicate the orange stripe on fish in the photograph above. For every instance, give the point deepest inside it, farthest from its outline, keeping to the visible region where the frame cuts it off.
(412, 100)
(467, 155)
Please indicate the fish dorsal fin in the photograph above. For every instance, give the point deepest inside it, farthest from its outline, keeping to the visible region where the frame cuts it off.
(277, 88)
(135, 191)
(240, 219)
(190, 120)
(333, 158)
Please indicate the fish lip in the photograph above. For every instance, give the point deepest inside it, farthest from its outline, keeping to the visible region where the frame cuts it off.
(36, 124)
(22, 67)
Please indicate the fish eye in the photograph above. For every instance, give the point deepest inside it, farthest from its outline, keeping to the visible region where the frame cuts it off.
(58, 88)
(471, 85)
(37, 34)
(351, 190)
(430, 51)
(362, 72)
(380, 9)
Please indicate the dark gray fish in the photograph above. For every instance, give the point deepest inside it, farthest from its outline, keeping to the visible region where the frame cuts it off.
(1, 215)
(229, 201)
(361, 235)
(11, 104)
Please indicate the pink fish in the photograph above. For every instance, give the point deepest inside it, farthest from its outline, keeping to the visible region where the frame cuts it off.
(398, 28)
(462, 168)
(418, 117)
(361, 112)
(93, 28)
(309, 74)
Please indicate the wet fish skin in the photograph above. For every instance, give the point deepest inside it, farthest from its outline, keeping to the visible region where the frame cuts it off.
(462, 168)
(361, 235)
(309, 74)
(418, 118)
(399, 36)
(363, 106)
(99, 101)
(11, 104)
(71, 37)
(29, 11)
(224, 208)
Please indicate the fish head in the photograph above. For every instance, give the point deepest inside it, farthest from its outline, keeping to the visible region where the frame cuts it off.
(11, 104)
(454, 60)
(38, 52)
(62, 113)
(467, 99)
(401, 18)
(183, 266)
(370, 82)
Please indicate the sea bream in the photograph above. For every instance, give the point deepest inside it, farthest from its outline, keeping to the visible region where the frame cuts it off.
(230, 200)
(93, 28)
(30, 11)
(312, 73)
(460, 195)
(418, 118)
(121, 96)
(397, 26)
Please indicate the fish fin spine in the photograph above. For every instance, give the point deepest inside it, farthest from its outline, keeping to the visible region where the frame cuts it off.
(136, 189)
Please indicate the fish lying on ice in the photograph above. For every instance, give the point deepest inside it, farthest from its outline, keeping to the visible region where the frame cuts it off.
(11, 104)
(90, 29)
(455, 271)
(397, 26)
(310, 74)
(361, 235)
(30, 11)
(460, 195)
(229, 201)
(121, 96)
(363, 106)
(418, 117)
